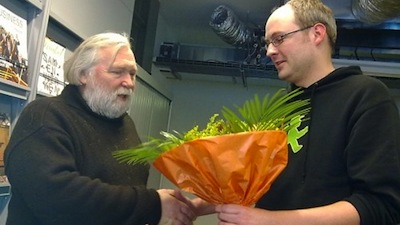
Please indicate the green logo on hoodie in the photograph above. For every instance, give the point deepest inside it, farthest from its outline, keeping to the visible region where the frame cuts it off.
(294, 134)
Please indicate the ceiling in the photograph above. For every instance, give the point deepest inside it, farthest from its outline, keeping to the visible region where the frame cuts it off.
(197, 13)
(194, 16)
(189, 23)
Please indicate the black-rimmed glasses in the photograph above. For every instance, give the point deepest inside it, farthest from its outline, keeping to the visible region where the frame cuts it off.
(279, 39)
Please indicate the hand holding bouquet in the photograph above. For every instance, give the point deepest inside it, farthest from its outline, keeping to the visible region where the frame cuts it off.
(233, 160)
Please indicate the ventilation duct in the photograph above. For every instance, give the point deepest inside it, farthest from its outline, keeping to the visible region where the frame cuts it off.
(233, 31)
(375, 11)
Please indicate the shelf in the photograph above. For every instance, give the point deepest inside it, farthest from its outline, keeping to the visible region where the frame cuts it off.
(234, 69)
(12, 89)
(5, 189)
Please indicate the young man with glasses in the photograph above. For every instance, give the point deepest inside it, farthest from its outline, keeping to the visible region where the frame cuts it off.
(348, 170)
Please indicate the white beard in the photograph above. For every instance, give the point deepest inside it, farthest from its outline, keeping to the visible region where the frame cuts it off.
(104, 101)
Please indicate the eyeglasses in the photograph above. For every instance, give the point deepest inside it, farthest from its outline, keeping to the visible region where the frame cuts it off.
(279, 39)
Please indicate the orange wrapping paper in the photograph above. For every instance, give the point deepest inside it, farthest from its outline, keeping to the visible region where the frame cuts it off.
(235, 168)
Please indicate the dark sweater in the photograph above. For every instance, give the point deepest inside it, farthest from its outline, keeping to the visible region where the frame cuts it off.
(351, 151)
(61, 169)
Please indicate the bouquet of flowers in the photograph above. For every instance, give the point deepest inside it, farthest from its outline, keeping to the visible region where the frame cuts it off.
(234, 159)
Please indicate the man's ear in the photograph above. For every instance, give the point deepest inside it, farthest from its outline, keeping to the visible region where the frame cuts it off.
(83, 78)
(319, 32)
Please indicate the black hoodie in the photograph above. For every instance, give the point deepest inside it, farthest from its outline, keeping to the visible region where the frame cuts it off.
(351, 151)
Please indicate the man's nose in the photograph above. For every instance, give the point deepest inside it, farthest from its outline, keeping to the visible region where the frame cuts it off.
(128, 81)
(270, 50)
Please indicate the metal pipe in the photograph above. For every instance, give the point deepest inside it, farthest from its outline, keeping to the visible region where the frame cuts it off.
(375, 11)
(233, 31)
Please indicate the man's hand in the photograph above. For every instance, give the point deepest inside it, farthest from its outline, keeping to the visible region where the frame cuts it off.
(175, 210)
(198, 205)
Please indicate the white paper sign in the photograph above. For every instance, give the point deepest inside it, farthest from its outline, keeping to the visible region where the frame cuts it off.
(51, 77)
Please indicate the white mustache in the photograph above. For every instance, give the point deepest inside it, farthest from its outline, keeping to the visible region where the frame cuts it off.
(124, 91)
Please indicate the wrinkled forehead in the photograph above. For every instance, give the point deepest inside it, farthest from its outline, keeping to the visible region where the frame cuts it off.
(107, 52)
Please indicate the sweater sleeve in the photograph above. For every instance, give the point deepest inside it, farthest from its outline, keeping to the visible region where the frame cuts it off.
(373, 159)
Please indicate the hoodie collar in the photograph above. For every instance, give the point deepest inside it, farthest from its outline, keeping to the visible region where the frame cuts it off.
(337, 74)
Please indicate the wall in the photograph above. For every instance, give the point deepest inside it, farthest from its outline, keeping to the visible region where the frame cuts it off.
(150, 109)
(88, 17)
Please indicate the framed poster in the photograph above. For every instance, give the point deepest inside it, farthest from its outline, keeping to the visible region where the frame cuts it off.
(13, 47)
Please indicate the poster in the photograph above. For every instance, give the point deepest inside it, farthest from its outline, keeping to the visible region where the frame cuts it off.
(51, 74)
(13, 47)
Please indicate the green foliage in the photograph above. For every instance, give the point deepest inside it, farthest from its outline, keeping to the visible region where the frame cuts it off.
(213, 128)
(272, 113)
(148, 151)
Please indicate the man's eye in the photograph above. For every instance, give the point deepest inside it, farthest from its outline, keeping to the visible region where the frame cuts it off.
(117, 72)
(122, 72)
(279, 39)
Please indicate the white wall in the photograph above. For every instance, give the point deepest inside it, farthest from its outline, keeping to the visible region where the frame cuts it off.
(89, 17)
